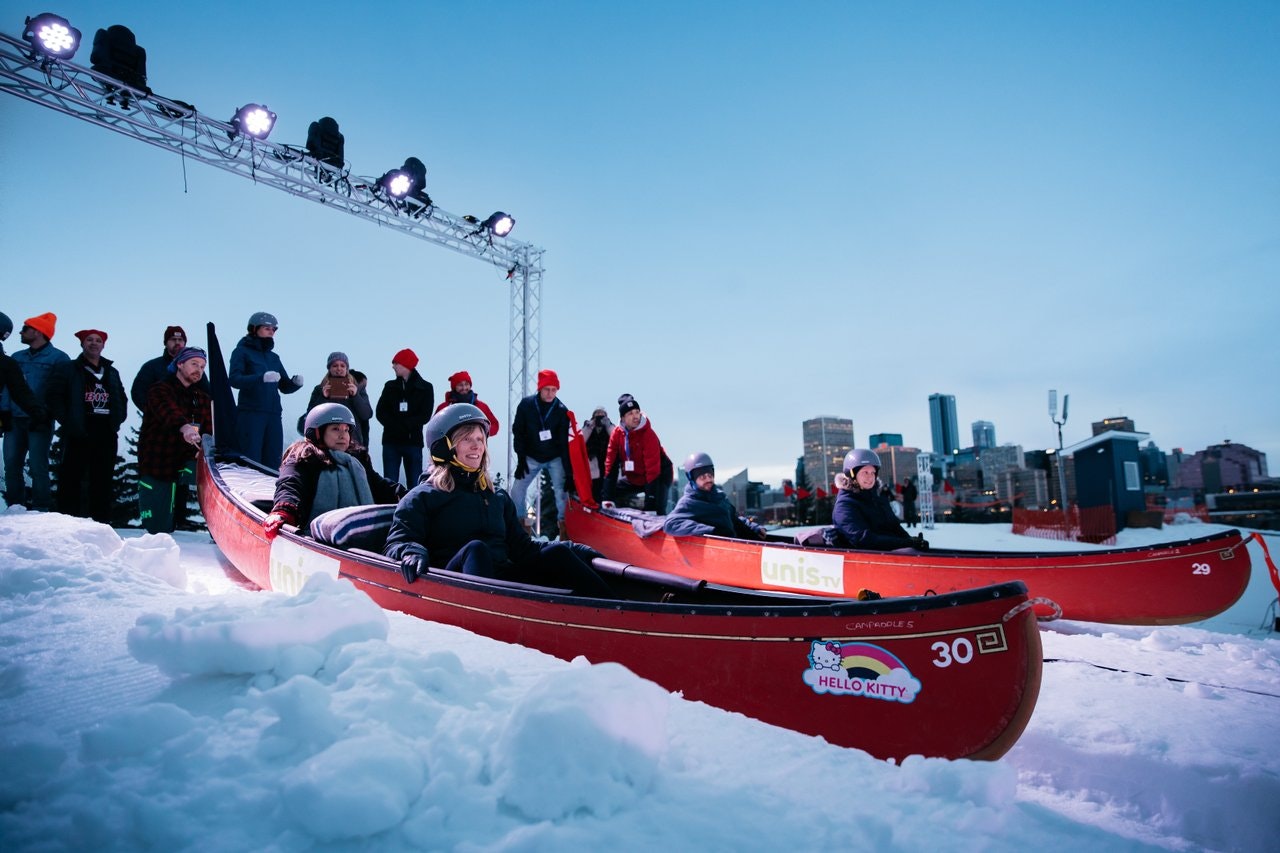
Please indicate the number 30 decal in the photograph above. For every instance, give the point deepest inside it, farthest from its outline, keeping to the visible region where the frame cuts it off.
(1200, 568)
(960, 650)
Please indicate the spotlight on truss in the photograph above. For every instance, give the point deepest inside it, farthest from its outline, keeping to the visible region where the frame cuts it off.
(116, 54)
(51, 36)
(409, 181)
(252, 120)
(499, 224)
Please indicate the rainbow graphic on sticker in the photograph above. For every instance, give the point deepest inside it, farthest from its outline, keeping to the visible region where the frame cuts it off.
(859, 669)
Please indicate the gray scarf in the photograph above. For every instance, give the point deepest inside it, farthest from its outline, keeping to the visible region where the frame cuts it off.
(343, 485)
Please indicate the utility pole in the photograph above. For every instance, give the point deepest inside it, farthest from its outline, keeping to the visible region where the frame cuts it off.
(1062, 468)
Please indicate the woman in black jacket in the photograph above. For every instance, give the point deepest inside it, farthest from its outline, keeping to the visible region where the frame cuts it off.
(325, 470)
(456, 519)
(862, 516)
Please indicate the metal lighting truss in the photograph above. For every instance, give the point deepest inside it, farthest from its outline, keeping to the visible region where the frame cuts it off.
(177, 127)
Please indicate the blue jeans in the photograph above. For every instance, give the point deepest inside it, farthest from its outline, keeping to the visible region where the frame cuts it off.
(21, 445)
(520, 488)
(394, 454)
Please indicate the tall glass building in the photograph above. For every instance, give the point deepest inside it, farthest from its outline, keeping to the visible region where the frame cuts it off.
(826, 441)
(943, 424)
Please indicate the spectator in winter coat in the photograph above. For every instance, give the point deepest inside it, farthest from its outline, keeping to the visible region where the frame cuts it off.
(258, 373)
(633, 465)
(157, 369)
(29, 433)
(460, 392)
(455, 519)
(178, 410)
(704, 509)
(406, 404)
(910, 494)
(862, 515)
(540, 438)
(349, 387)
(13, 383)
(325, 470)
(87, 398)
(596, 432)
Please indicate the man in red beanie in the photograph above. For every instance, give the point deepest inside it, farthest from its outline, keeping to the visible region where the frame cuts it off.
(403, 410)
(28, 435)
(540, 437)
(87, 399)
(460, 392)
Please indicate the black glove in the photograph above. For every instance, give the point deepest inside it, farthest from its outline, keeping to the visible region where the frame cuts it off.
(584, 552)
(522, 468)
(919, 542)
(412, 566)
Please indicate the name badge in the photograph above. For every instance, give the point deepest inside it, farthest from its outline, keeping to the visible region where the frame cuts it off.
(628, 465)
(404, 406)
(544, 435)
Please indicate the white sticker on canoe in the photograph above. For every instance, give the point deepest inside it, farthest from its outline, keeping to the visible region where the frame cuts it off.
(807, 571)
(292, 564)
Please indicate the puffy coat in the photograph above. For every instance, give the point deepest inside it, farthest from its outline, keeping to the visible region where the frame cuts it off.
(864, 519)
(299, 474)
(437, 524)
(700, 513)
(642, 447)
(252, 358)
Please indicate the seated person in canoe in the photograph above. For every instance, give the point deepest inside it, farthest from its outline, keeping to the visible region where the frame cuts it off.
(326, 470)
(456, 519)
(862, 516)
(704, 508)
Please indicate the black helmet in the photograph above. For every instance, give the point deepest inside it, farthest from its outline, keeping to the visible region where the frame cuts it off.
(323, 415)
(6, 325)
(449, 418)
(698, 464)
(857, 458)
(262, 318)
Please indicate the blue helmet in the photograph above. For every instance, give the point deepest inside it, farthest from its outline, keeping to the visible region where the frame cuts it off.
(859, 457)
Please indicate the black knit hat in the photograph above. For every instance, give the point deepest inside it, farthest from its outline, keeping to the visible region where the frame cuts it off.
(626, 403)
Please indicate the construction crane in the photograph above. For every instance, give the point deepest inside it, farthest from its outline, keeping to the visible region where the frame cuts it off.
(140, 114)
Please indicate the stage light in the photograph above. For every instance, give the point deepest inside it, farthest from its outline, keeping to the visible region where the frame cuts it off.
(325, 143)
(117, 55)
(51, 36)
(253, 120)
(499, 224)
(409, 181)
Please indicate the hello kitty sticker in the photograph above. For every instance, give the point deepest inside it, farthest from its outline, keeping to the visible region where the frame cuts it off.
(859, 669)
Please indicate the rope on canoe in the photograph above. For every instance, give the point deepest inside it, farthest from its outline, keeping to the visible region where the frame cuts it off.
(1032, 602)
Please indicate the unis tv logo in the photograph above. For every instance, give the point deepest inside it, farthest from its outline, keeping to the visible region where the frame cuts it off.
(806, 571)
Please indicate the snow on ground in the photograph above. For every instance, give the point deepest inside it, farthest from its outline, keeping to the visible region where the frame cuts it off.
(149, 700)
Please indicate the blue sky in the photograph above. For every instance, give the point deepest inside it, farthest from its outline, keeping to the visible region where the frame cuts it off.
(752, 213)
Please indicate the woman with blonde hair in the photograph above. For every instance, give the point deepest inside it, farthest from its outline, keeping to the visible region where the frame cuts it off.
(458, 520)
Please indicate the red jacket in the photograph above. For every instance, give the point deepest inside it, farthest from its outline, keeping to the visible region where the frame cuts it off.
(451, 398)
(642, 447)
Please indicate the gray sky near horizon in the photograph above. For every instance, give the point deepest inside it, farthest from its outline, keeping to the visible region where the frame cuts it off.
(752, 214)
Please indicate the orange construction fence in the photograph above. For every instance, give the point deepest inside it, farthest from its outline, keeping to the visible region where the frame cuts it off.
(1095, 524)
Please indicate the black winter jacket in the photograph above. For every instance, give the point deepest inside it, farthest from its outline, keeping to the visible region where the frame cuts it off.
(405, 427)
(864, 519)
(700, 513)
(296, 485)
(437, 524)
(65, 397)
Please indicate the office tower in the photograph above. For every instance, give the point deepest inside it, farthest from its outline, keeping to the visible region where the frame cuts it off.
(943, 425)
(826, 441)
(984, 434)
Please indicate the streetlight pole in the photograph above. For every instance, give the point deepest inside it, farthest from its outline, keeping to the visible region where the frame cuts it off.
(1062, 469)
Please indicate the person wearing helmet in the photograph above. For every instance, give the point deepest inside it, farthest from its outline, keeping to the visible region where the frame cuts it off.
(704, 508)
(257, 372)
(456, 519)
(862, 516)
(324, 470)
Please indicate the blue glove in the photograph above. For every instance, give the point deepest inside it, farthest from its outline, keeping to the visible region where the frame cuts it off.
(412, 566)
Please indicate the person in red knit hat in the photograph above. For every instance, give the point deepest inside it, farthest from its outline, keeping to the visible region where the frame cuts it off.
(460, 392)
(540, 438)
(28, 434)
(404, 408)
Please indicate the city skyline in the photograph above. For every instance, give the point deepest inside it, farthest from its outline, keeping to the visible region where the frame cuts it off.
(853, 205)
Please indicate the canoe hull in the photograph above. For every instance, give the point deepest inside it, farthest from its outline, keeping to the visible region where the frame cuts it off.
(952, 676)
(1170, 584)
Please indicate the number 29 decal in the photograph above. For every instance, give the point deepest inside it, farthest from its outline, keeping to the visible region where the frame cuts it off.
(1200, 569)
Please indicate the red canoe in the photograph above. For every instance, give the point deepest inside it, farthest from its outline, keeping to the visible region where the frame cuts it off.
(1168, 584)
(951, 676)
